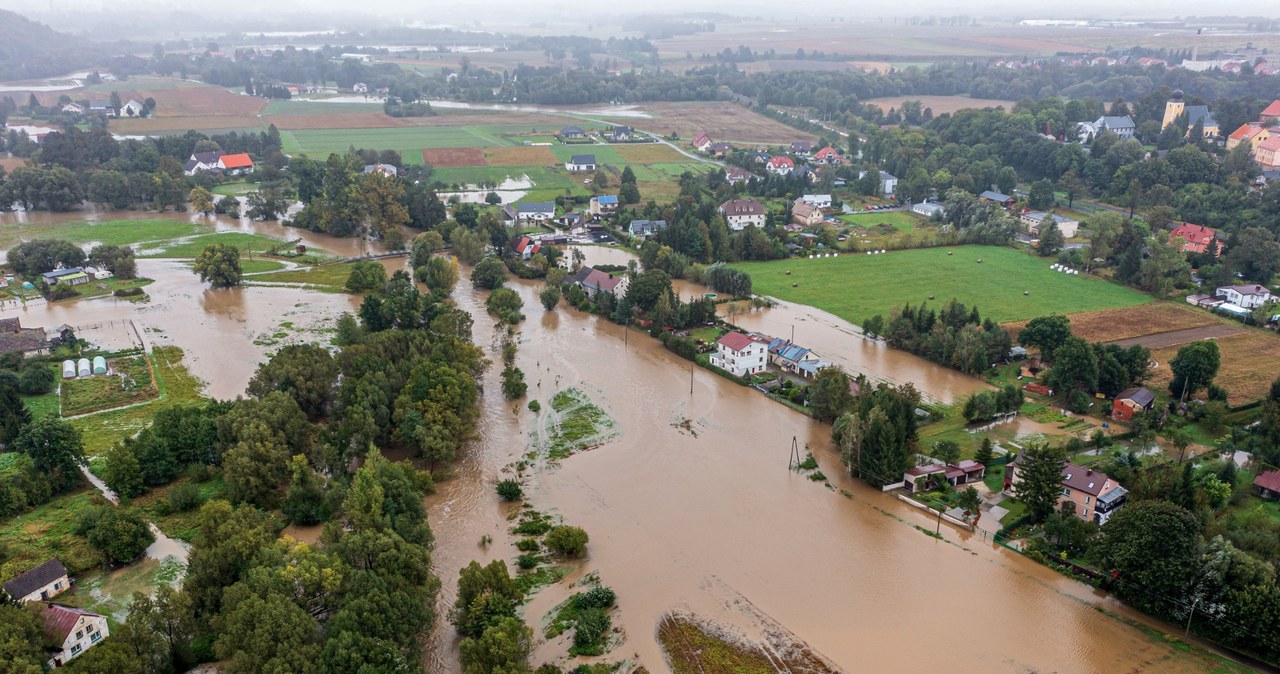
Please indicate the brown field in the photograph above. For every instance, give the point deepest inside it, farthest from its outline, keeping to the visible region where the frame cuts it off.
(1179, 337)
(1250, 361)
(519, 156)
(377, 120)
(1109, 325)
(721, 121)
(11, 163)
(205, 123)
(200, 108)
(453, 156)
(940, 104)
(648, 153)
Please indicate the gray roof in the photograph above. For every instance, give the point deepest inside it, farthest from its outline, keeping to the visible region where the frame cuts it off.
(59, 273)
(1121, 122)
(35, 579)
(1200, 113)
(583, 159)
(887, 176)
(536, 207)
(572, 130)
(646, 227)
(1084, 479)
(1138, 394)
(995, 196)
(207, 157)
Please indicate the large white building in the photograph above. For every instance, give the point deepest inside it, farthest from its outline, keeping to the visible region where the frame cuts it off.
(1034, 219)
(1247, 296)
(740, 355)
(74, 631)
(740, 214)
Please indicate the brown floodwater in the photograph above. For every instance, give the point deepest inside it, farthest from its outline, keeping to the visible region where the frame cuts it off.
(707, 518)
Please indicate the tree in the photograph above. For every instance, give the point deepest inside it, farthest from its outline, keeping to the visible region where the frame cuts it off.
(382, 198)
(159, 630)
(1151, 548)
(120, 534)
(946, 451)
(36, 379)
(476, 582)
(505, 304)
(550, 296)
(256, 466)
(489, 273)
(883, 456)
(36, 257)
(1046, 333)
(123, 473)
(1075, 367)
(509, 490)
(55, 449)
(201, 200)
(226, 541)
(829, 397)
(366, 275)
(1195, 365)
(424, 246)
(22, 640)
(268, 204)
(265, 633)
(647, 287)
(307, 373)
(503, 648)
(1039, 482)
(14, 415)
(441, 274)
(629, 193)
(1041, 197)
(984, 455)
(568, 541)
(1051, 240)
(1255, 254)
(306, 502)
(119, 260)
(468, 246)
(219, 265)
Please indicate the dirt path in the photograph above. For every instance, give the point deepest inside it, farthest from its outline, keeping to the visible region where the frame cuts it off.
(1178, 337)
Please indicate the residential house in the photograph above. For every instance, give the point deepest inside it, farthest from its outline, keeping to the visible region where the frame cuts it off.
(360, 88)
(236, 164)
(525, 247)
(720, 149)
(538, 212)
(827, 155)
(805, 214)
(1268, 484)
(620, 134)
(1249, 296)
(743, 213)
(1122, 126)
(1034, 219)
(929, 210)
(701, 142)
(789, 357)
(72, 276)
(604, 205)
(802, 174)
(1196, 239)
(39, 584)
(1093, 496)
(202, 161)
(780, 165)
(758, 155)
(1271, 114)
(888, 182)
(1268, 153)
(929, 475)
(16, 339)
(818, 200)
(646, 228)
(73, 108)
(581, 162)
(734, 175)
(102, 108)
(388, 170)
(1002, 199)
(1253, 133)
(594, 281)
(572, 132)
(1131, 401)
(132, 109)
(73, 631)
(570, 220)
(801, 148)
(739, 354)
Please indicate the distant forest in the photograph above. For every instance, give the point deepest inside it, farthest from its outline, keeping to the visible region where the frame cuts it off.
(30, 50)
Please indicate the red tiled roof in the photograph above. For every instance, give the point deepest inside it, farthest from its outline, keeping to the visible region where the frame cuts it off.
(1197, 234)
(235, 161)
(1272, 143)
(1246, 130)
(59, 620)
(780, 162)
(827, 151)
(1269, 480)
(1272, 110)
(735, 341)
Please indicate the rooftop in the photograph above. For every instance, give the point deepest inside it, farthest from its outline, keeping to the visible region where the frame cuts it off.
(35, 579)
(1269, 480)
(735, 341)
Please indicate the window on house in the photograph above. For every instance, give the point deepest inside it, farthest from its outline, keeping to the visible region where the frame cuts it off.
(80, 634)
(75, 650)
(1066, 492)
(1087, 499)
(95, 637)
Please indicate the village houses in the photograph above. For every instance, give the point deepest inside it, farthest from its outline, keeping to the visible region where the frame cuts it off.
(1093, 496)
(806, 214)
(1033, 220)
(1249, 296)
(1196, 239)
(740, 214)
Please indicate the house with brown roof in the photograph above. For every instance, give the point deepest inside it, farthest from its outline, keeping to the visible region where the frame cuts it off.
(1271, 114)
(73, 631)
(734, 175)
(1093, 496)
(929, 475)
(16, 339)
(740, 355)
(1268, 484)
(827, 155)
(39, 584)
(1249, 296)
(1252, 133)
(740, 214)
(1196, 238)
(701, 142)
(595, 282)
(803, 213)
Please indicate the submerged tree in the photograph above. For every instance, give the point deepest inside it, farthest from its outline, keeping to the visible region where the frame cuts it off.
(219, 265)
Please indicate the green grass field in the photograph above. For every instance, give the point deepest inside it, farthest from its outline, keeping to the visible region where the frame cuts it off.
(899, 220)
(331, 276)
(113, 232)
(190, 248)
(408, 141)
(856, 287)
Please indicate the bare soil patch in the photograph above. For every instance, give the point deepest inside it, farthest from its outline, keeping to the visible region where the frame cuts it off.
(721, 121)
(648, 153)
(1250, 361)
(1180, 337)
(1109, 325)
(940, 104)
(519, 156)
(179, 124)
(453, 156)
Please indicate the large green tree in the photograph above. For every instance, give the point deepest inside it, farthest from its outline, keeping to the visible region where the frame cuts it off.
(1039, 479)
(305, 372)
(1194, 367)
(1075, 367)
(1046, 333)
(1151, 547)
(219, 265)
(503, 648)
(56, 449)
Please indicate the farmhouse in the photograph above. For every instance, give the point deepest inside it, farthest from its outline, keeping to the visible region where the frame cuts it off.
(16, 339)
(620, 134)
(1268, 484)
(73, 631)
(805, 214)
(1132, 401)
(131, 109)
(646, 228)
(739, 355)
(604, 205)
(1253, 133)
(572, 132)
(525, 247)
(533, 211)
(1196, 238)
(1247, 296)
(39, 584)
(735, 175)
(817, 200)
(701, 142)
(236, 164)
(202, 161)
(1002, 199)
(1034, 219)
(801, 148)
(827, 155)
(720, 149)
(581, 162)
(743, 213)
(929, 210)
(780, 165)
(1093, 496)
(927, 476)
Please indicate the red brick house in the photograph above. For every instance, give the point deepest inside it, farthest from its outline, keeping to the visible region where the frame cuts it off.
(1130, 402)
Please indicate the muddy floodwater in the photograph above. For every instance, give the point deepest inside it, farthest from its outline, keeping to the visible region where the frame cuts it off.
(706, 517)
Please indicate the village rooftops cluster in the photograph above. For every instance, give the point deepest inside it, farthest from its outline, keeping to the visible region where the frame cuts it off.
(218, 163)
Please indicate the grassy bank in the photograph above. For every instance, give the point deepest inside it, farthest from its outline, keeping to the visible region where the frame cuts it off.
(113, 232)
(856, 287)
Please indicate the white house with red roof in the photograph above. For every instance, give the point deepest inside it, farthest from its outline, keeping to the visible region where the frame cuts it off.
(1271, 114)
(1196, 238)
(740, 355)
(827, 155)
(780, 165)
(73, 631)
(701, 142)
(236, 164)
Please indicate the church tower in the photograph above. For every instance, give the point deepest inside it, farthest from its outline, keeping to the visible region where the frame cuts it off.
(1172, 109)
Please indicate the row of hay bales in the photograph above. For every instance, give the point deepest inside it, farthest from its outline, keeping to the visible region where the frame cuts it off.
(83, 368)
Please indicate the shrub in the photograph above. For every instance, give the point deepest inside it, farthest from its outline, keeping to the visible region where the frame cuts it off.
(528, 545)
(509, 490)
(1078, 402)
(593, 623)
(120, 535)
(568, 541)
(596, 597)
(532, 528)
(535, 406)
(184, 497)
(37, 379)
(489, 273)
(527, 561)
(128, 292)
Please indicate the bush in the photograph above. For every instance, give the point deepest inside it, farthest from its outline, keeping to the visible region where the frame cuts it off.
(120, 535)
(367, 275)
(505, 304)
(596, 597)
(184, 498)
(527, 561)
(528, 545)
(37, 379)
(568, 541)
(489, 274)
(535, 406)
(1078, 402)
(509, 490)
(593, 623)
(128, 292)
(531, 528)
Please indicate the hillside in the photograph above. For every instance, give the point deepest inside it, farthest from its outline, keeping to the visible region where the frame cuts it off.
(30, 50)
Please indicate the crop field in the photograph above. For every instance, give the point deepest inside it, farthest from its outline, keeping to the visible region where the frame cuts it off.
(856, 287)
(648, 153)
(453, 156)
(519, 156)
(90, 394)
(1250, 361)
(1149, 319)
(940, 104)
(196, 107)
(721, 121)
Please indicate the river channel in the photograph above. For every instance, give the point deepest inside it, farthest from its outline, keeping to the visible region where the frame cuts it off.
(701, 516)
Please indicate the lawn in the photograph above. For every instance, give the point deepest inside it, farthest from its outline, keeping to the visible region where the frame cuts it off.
(49, 531)
(902, 221)
(259, 265)
(409, 141)
(235, 189)
(1007, 285)
(331, 276)
(191, 247)
(113, 232)
(102, 392)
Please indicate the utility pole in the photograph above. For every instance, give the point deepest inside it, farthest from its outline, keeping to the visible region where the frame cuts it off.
(690, 380)
(1187, 632)
(794, 461)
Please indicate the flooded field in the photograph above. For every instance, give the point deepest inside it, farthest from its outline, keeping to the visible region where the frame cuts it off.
(704, 517)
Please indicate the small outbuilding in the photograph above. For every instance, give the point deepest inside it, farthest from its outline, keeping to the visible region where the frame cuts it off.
(99, 365)
(68, 369)
(83, 368)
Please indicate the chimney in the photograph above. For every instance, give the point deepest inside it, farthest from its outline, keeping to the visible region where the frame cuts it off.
(1089, 472)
